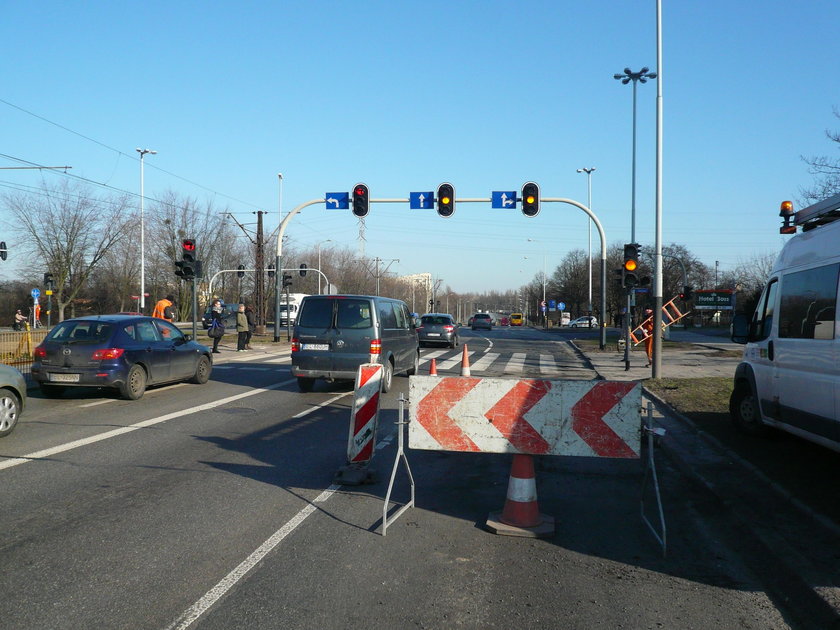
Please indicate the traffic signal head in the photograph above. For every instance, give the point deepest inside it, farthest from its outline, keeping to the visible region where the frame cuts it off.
(271, 270)
(530, 199)
(361, 200)
(302, 269)
(188, 250)
(630, 276)
(287, 280)
(445, 200)
(687, 293)
(48, 280)
(240, 271)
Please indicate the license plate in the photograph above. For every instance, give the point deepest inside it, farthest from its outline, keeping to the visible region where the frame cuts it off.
(433, 334)
(314, 346)
(64, 378)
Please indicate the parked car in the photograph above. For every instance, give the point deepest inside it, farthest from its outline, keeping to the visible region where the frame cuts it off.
(335, 334)
(587, 321)
(437, 328)
(482, 320)
(125, 352)
(12, 398)
(228, 316)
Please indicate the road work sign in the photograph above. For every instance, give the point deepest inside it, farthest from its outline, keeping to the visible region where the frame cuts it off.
(531, 416)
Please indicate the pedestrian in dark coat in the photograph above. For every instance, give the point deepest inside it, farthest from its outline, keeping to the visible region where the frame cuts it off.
(252, 323)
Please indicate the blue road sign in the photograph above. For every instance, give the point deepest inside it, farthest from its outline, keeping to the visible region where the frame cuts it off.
(552, 305)
(504, 199)
(36, 293)
(561, 306)
(338, 201)
(421, 200)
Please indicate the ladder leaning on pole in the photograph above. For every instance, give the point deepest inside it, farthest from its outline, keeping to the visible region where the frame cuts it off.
(670, 315)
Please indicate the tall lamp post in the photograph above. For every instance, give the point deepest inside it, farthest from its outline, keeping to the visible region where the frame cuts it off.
(589, 172)
(143, 153)
(636, 77)
(329, 240)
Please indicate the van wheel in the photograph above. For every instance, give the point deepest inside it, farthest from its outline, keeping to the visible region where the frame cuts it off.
(415, 368)
(387, 377)
(305, 385)
(743, 407)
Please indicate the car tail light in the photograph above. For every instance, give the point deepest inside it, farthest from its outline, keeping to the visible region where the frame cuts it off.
(40, 353)
(449, 328)
(376, 346)
(108, 353)
(295, 344)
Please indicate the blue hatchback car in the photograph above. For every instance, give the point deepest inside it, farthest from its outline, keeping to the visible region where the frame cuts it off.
(125, 352)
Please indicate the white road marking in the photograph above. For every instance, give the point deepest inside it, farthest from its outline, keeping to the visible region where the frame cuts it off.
(217, 592)
(69, 446)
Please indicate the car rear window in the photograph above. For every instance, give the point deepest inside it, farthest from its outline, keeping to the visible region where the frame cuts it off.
(482, 316)
(438, 320)
(81, 331)
(316, 313)
(354, 314)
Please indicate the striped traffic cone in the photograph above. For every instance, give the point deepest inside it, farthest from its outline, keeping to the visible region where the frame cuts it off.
(433, 368)
(465, 362)
(521, 513)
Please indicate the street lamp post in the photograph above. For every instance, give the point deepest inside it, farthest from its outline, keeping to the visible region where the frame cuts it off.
(329, 240)
(143, 153)
(589, 172)
(636, 77)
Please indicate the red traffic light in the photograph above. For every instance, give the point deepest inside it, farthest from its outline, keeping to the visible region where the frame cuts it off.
(361, 200)
(188, 245)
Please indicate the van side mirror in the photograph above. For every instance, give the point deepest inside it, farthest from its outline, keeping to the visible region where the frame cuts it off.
(740, 328)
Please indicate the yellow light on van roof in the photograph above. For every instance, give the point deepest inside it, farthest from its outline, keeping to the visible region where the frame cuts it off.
(786, 209)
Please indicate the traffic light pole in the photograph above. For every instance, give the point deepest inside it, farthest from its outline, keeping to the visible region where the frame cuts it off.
(194, 306)
(278, 278)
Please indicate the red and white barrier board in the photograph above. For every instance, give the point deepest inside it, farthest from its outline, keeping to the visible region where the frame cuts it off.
(531, 416)
(365, 413)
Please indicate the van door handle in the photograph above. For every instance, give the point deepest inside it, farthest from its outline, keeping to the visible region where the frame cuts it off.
(770, 350)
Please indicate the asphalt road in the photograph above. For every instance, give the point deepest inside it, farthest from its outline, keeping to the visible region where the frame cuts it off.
(214, 507)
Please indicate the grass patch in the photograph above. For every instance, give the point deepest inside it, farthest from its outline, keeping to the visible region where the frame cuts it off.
(693, 396)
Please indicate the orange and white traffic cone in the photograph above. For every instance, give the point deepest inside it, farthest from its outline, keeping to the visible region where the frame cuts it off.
(433, 368)
(465, 362)
(521, 513)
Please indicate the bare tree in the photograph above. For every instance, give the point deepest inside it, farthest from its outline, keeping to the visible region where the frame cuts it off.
(70, 230)
(826, 171)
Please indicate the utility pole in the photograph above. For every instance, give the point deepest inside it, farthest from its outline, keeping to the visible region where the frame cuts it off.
(259, 280)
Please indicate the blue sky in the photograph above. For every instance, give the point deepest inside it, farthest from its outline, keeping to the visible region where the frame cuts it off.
(406, 95)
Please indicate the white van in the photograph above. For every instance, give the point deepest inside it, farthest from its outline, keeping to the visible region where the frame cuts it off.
(790, 374)
(290, 309)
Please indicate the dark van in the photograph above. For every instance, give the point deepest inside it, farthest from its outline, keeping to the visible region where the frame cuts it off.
(335, 334)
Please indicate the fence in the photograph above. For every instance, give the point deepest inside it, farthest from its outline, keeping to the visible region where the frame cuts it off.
(16, 348)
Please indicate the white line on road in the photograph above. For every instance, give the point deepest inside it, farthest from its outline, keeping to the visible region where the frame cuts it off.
(217, 592)
(69, 446)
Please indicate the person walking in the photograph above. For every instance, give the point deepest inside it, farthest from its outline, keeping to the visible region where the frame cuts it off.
(647, 326)
(241, 328)
(165, 308)
(249, 315)
(217, 324)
